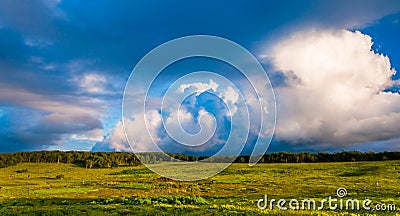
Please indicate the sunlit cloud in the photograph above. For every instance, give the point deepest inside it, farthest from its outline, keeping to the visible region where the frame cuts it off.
(333, 94)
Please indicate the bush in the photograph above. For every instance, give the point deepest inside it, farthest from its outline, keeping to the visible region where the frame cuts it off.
(21, 171)
(173, 200)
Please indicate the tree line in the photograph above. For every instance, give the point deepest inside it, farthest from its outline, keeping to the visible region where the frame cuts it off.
(81, 158)
(114, 159)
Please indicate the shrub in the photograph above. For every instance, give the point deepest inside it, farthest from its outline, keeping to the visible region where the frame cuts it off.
(21, 171)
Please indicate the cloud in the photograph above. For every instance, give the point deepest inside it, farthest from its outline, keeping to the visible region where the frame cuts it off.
(116, 141)
(64, 104)
(333, 92)
(136, 131)
(46, 120)
(184, 128)
(330, 95)
(199, 87)
(230, 95)
(91, 135)
(189, 124)
(92, 83)
(26, 129)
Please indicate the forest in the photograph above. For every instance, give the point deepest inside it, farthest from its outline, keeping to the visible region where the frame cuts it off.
(114, 159)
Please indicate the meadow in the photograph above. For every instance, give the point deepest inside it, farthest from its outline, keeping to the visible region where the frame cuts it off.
(68, 189)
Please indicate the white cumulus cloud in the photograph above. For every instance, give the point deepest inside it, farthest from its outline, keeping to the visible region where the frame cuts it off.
(230, 95)
(199, 87)
(136, 131)
(333, 94)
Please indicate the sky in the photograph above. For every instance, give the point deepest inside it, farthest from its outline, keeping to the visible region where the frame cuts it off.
(64, 66)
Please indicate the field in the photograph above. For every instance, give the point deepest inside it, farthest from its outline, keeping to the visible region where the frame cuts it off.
(67, 189)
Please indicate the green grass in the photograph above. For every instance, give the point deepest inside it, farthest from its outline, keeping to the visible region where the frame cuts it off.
(33, 189)
(65, 190)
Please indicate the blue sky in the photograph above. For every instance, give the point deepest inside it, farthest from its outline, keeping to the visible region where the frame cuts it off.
(64, 66)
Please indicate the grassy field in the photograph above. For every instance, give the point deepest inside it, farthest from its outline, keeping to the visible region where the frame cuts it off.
(66, 189)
